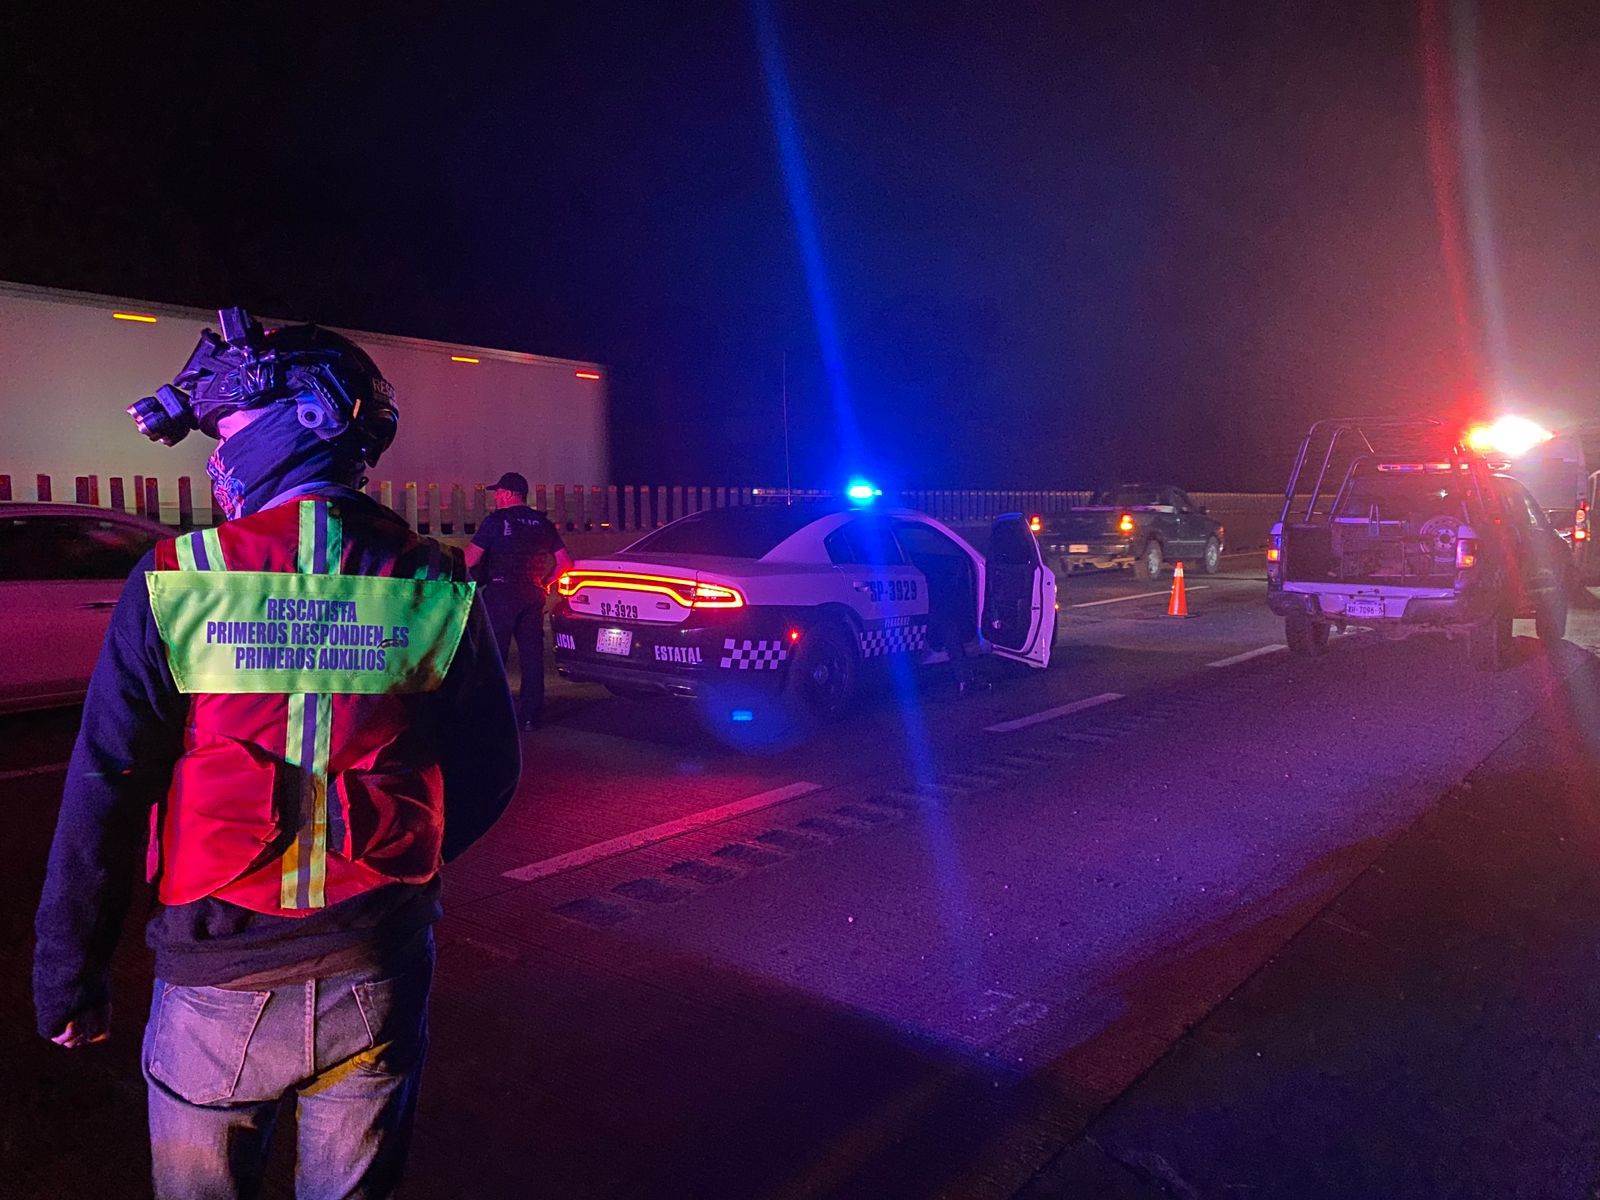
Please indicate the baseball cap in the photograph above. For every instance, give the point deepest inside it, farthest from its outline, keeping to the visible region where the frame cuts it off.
(511, 481)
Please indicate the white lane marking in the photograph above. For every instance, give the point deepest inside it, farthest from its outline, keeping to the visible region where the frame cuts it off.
(1050, 714)
(658, 833)
(29, 772)
(1247, 655)
(1140, 596)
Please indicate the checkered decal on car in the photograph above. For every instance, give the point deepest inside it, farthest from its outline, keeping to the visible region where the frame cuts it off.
(896, 639)
(753, 654)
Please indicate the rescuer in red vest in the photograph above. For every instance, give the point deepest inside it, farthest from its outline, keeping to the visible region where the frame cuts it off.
(305, 709)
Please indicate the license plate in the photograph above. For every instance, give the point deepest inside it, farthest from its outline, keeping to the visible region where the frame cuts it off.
(1078, 548)
(614, 641)
(1356, 607)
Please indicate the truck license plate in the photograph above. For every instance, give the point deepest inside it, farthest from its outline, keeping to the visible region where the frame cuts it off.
(614, 641)
(1078, 548)
(1357, 607)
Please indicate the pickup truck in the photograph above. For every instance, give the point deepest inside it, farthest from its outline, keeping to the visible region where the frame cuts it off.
(1396, 526)
(1136, 525)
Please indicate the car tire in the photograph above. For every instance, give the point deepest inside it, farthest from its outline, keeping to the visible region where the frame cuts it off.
(1551, 621)
(1150, 561)
(1491, 643)
(1211, 559)
(1306, 637)
(825, 671)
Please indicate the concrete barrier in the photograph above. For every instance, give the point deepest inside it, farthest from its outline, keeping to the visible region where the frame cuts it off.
(1247, 516)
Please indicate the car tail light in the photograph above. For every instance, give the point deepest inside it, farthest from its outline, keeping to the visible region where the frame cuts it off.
(1580, 522)
(1126, 524)
(1466, 553)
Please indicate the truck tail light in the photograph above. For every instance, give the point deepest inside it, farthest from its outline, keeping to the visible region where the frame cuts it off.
(1580, 522)
(1035, 524)
(1466, 553)
(1126, 524)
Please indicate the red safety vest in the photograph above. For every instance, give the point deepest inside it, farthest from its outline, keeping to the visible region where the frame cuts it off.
(286, 803)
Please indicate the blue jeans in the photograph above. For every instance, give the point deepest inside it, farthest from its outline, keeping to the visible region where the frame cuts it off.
(217, 1061)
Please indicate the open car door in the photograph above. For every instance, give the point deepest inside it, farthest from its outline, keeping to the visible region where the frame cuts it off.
(1019, 601)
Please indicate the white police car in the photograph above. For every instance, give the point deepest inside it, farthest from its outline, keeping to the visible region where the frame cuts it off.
(798, 599)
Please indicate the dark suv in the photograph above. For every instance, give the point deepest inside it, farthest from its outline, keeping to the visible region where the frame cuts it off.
(1418, 534)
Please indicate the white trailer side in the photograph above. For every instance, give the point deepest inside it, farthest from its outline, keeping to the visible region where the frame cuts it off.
(69, 367)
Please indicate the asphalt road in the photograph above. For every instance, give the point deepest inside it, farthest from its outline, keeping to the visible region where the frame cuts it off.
(914, 956)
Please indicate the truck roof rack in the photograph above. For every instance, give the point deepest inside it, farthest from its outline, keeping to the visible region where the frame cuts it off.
(1364, 438)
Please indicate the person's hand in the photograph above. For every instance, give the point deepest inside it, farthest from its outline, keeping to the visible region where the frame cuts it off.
(86, 1028)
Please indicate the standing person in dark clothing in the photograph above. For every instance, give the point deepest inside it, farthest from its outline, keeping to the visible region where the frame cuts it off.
(305, 710)
(517, 553)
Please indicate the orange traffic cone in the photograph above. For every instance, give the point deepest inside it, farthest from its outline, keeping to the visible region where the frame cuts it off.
(1178, 605)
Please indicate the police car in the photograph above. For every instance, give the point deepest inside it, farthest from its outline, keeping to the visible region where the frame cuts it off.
(798, 599)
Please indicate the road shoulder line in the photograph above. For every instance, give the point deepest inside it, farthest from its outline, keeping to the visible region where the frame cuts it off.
(640, 838)
(1248, 655)
(1050, 714)
(1141, 596)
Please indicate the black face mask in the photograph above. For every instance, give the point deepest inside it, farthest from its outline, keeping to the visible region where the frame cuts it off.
(272, 455)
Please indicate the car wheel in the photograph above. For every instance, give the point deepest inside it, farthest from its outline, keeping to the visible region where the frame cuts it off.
(1305, 636)
(1213, 556)
(1491, 643)
(1551, 621)
(1148, 564)
(824, 671)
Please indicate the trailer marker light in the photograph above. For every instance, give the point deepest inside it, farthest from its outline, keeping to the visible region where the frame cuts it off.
(587, 374)
(141, 318)
(462, 358)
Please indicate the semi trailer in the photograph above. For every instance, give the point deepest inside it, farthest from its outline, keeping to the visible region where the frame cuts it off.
(71, 362)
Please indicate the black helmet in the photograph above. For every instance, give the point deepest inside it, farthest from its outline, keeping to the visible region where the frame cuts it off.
(336, 388)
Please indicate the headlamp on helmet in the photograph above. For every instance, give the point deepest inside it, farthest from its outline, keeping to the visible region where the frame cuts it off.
(335, 387)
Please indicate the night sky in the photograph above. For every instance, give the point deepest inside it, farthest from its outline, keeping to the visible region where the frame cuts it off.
(1060, 245)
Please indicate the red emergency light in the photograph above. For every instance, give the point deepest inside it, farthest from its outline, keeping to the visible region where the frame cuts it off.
(1512, 436)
